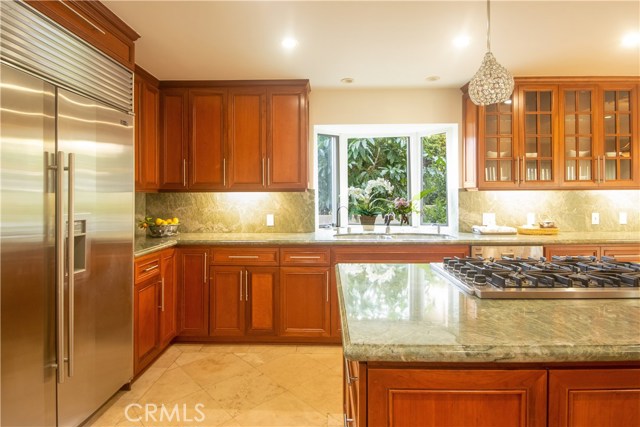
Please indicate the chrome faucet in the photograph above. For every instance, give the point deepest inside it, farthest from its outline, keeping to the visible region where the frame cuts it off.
(338, 225)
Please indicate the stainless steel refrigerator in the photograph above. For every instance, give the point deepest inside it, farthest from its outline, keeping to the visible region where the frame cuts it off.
(66, 194)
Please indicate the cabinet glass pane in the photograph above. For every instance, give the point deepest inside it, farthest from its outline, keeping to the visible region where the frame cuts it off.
(505, 170)
(545, 101)
(545, 124)
(570, 170)
(624, 120)
(530, 124)
(505, 124)
(609, 100)
(531, 147)
(610, 146)
(490, 170)
(570, 101)
(491, 108)
(625, 169)
(610, 124)
(545, 170)
(584, 170)
(492, 125)
(505, 147)
(531, 101)
(531, 170)
(584, 101)
(624, 146)
(584, 124)
(491, 147)
(569, 124)
(623, 100)
(545, 147)
(505, 108)
(610, 169)
(584, 147)
(570, 146)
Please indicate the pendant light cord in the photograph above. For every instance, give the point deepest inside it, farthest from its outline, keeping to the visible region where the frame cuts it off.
(488, 26)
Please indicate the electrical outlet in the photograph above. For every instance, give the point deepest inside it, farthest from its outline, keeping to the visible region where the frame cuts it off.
(595, 218)
(270, 220)
(622, 217)
(531, 218)
(488, 219)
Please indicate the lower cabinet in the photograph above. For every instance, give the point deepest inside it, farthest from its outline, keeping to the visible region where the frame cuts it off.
(379, 395)
(193, 292)
(622, 253)
(242, 301)
(305, 309)
(154, 320)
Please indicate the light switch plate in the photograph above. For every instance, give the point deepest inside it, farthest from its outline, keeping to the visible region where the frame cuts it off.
(270, 220)
(488, 219)
(622, 216)
(595, 218)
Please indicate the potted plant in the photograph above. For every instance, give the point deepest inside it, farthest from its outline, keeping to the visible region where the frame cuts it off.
(368, 202)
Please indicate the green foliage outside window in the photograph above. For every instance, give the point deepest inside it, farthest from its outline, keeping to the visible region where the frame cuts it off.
(434, 179)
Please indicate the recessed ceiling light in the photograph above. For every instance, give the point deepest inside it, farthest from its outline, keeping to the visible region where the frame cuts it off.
(631, 40)
(432, 78)
(289, 42)
(461, 41)
(346, 80)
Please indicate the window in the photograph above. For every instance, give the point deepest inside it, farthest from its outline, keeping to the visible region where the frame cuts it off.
(418, 161)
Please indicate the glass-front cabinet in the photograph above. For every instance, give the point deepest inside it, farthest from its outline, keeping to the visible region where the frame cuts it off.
(560, 134)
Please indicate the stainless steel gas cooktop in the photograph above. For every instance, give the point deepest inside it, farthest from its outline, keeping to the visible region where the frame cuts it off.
(560, 277)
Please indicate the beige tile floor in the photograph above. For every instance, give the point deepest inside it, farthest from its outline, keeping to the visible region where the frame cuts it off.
(233, 385)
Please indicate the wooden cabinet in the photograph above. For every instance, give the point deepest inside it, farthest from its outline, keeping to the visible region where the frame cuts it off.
(244, 289)
(234, 136)
(412, 397)
(174, 136)
(594, 397)
(193, 291)
(147, 148)
(94, 23)
(154, 306)
(243, 300)
(622, 253)
(555, 133)
(305, 292)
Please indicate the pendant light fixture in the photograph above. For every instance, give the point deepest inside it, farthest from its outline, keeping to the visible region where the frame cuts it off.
(492, 83)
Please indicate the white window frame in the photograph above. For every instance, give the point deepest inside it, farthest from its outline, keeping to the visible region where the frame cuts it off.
(415, 132)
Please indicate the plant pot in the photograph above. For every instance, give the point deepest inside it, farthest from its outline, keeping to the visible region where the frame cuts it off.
(368, 222)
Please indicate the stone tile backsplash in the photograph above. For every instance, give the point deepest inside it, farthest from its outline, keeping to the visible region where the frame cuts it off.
(235, 212)
(571, 210)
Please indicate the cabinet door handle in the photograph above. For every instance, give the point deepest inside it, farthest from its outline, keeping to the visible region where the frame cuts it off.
(350, 378)
(604, 169)
(204, 276)
(326, 275)
(598, 171)
(523, 171)
(263, 171)
(243, 257)
(517, 165)
(153, 267)
(95, 27)
(162, 295)
(184, 172)
(246, 286)
(268, 171)
(305, 257)
(347, 421)
(224, 172)
(240, 285)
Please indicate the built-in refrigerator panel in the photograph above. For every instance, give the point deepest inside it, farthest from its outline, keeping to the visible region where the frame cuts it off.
(99, 344)
(27, 261)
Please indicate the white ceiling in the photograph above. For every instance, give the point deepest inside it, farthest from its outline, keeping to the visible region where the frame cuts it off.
(382, 44)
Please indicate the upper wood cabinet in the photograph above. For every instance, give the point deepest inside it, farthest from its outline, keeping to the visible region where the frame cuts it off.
(555, 133)
(147, 148)
(234, 136)
(94, 23)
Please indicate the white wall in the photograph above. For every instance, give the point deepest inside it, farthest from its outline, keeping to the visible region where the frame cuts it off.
(381, 106)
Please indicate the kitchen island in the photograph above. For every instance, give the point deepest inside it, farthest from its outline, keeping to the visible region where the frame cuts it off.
(419, 351)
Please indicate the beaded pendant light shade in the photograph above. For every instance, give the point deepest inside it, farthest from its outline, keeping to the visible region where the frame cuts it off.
(492, 83)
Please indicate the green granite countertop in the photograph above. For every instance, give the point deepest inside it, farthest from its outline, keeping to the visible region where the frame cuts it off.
(145, 245)
(407, 313)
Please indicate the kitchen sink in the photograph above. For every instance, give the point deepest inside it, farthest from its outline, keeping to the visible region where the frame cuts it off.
(392, 236)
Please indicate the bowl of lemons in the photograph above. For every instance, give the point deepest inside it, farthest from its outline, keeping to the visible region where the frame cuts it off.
(158, 227)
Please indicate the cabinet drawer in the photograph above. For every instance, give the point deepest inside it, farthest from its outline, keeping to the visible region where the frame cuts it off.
(146, 267)
(245, 256)
(305, 256)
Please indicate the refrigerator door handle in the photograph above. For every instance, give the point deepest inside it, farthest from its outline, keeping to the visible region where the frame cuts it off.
(71, 259)
(60, 266)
